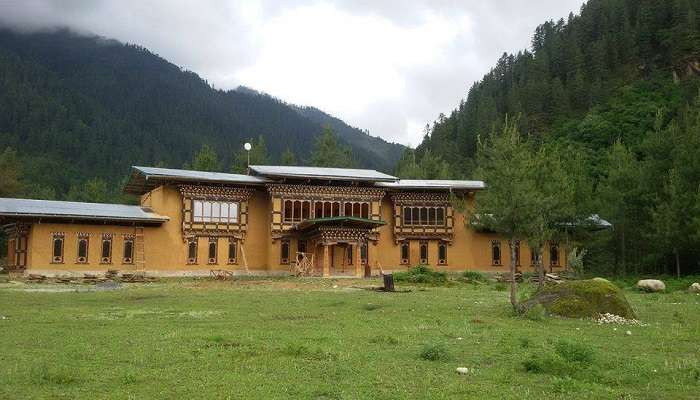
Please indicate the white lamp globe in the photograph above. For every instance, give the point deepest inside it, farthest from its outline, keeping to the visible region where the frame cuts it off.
(247, 146)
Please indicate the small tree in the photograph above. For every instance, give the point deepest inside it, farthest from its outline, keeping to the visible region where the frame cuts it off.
(206, 160)
(553, 203)
(288, 157)
(505, 161)
(258, 156)
(407, 167)
(328, 152)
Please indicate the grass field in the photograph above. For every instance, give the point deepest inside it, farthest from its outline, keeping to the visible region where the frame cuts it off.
(327, 339)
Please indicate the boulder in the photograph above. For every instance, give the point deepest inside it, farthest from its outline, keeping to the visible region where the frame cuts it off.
(651, 285)
(462, 370)
(694, 288)
(580, 299)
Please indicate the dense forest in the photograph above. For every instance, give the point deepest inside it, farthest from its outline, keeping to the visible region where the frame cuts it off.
(77, 111)
(616, 86)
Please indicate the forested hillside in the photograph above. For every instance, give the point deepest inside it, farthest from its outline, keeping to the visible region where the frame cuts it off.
(616, 85)
(75, 108)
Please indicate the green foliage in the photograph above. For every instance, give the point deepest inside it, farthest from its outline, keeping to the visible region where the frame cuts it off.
(76, 107)
(288, 157)
(205, 160)
(258, 156)
(94, 190)
(422, 274)
(536, 313)
(435, 352)
(329, 152)
(474, 276)
(10, 185)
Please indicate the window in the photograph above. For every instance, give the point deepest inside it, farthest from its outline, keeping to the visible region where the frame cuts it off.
(424, 216)
(554, 255)
(284, 252)
(301, 246)
(348, 254)
(83, 246)
(212, 250)
(363, 253)
(232, 251)
(57, 254)
(442, 253)
(192, 251)
(106, 254)
(365, 211)
(128, 250)
(424, 253)
(215, 211)
(405, 253)
(496, 252)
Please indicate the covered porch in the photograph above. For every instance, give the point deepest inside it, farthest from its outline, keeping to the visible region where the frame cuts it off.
(335, 246)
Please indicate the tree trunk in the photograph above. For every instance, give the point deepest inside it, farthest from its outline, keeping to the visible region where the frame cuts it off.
(624, 253)
(513, 283)
(540, 269)
(388, 282)
(678, 262)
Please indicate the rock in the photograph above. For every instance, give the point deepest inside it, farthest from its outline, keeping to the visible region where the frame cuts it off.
(580, 299)
(694, 288)
(462, 370)
(628, 333)
(651, 285)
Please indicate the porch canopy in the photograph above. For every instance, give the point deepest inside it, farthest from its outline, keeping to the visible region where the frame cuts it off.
(330, 231)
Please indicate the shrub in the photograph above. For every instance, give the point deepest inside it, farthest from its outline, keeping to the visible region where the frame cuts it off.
(473, 276)
(435, 352)
(384, 339)
(574, 352)
(501, 287)
(422, 274)
(536, 313)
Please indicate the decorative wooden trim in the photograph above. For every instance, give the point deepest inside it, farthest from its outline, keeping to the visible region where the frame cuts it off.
(82, 236)
(109, 238)
(128, 238)
(239, 195)
(62, 237)
(496, 244)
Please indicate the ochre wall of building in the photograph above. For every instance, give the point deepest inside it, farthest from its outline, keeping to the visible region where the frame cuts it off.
(166, 249)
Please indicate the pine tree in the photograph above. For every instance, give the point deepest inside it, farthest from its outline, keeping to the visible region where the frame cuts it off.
(10, 185)
(288, 157)
(258, 156)
(206, 160)
(407, 167)
(328, 152)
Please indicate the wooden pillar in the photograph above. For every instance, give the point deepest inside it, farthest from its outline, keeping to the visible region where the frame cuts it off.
(359, 270)
(326, 261)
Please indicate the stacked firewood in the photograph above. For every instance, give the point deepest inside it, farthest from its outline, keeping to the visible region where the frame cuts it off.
(548, 278)
(36, 278)
(93, 279)
(138, 277)
(505, 277)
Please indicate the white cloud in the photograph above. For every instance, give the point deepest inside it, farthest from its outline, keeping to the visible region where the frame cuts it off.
(388, 66)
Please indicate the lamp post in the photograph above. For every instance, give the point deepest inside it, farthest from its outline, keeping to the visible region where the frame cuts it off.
(247, 146)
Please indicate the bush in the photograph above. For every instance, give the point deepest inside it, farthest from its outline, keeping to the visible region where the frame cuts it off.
(536, 313)
(473, 276)
(435, 352)
(574, 352)
(422, 274)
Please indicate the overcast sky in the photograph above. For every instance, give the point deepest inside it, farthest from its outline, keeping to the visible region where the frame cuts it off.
(387, 66)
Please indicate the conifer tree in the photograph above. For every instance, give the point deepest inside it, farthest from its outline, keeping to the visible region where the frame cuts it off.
(328, 152)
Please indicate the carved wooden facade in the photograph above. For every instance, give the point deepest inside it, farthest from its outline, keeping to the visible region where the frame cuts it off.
(194, 225)
(422, 215)
(17, 239)
(292, 204)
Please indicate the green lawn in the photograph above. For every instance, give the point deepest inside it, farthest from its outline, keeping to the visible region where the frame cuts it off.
(282, 338)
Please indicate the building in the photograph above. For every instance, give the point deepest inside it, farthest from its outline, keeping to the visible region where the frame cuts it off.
(335, 221)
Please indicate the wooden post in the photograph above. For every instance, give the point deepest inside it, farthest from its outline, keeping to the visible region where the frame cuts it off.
(359, 273)
(326, 262)
(388, 282)
(245, 260)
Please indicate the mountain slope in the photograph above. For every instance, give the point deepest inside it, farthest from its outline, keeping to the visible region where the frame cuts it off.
(77, 107)
(625, 56)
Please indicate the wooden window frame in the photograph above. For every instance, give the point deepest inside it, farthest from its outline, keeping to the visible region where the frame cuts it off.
(283, 243)
(215, 242)
(551, 259)
(424, 245)
(230, 219)
(424, 216)
(442, 246)
(192, 260)
(78, 258)
(407, 259)
(130, 259)
(349, 257)
(496, 244)
(62, 238)
(232, 242)
(106, 238)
